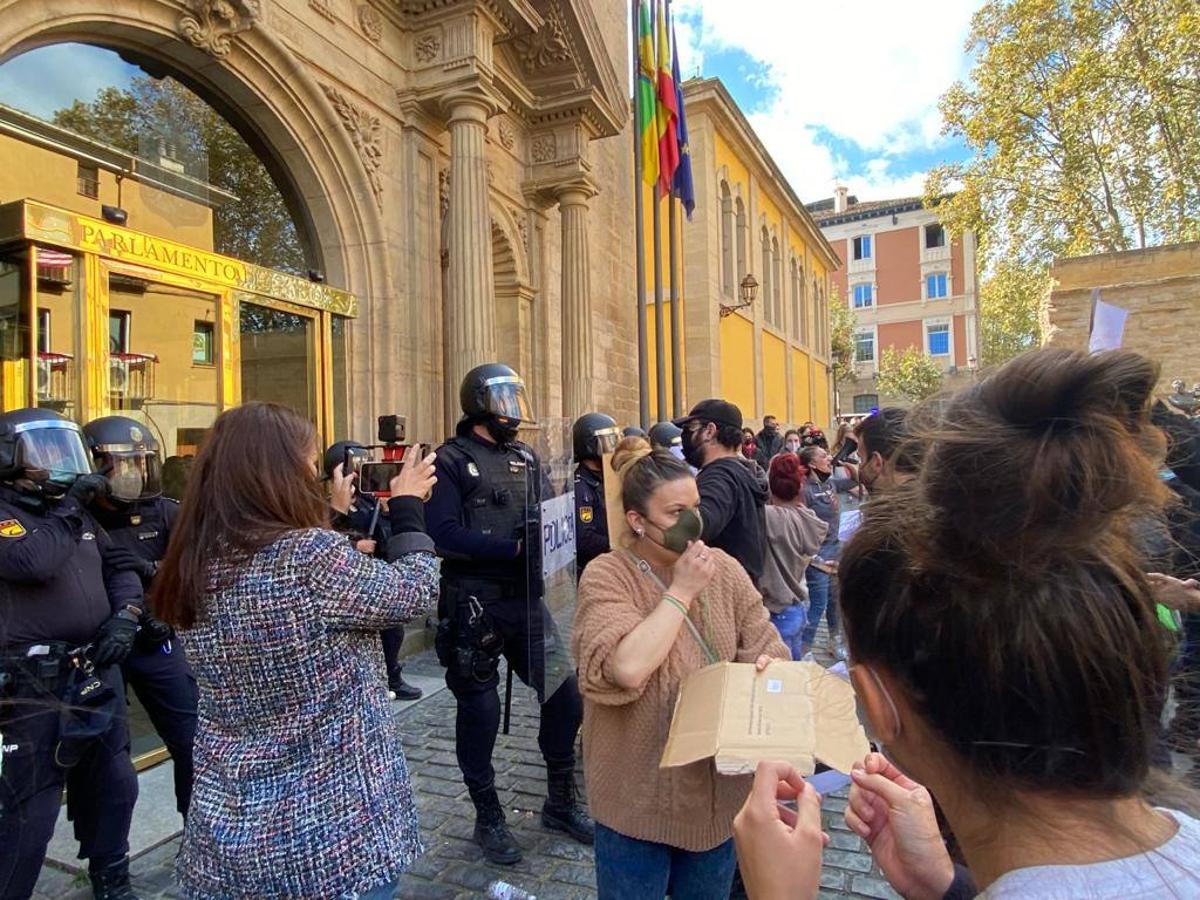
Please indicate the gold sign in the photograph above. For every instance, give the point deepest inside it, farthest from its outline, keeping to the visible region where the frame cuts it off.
(56, 226)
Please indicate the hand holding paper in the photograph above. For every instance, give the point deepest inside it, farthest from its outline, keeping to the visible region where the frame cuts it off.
(779, 851)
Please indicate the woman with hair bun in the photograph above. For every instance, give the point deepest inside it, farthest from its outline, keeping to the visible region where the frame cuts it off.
(1007, 653)
(650, 613)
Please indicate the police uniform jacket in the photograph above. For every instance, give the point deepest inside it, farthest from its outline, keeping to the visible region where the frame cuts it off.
(144, 528)
(51, 563)
(482, 507)
(591, 519)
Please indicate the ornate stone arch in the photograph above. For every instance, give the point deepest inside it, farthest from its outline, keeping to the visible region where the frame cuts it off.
(514, 294)
(311, 139)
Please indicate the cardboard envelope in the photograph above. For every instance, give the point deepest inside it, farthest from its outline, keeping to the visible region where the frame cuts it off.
(794, 711)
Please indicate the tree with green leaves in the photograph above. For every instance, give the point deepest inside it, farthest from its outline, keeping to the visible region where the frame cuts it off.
(154, 114)
(841, 338)
(909, 373)
(1084, 119)
(1010, 305)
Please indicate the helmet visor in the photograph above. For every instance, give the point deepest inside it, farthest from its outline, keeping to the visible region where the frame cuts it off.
(133, 474)
(505, 397)
(607, 439)
(54, 448)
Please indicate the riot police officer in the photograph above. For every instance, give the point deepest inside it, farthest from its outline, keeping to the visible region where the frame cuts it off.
(487, 492)
(366, 522)
(667, 436)
(139, 520)
(68, 619)
(592, 435)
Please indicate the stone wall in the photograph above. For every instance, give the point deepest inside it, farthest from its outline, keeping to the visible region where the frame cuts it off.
(1160, 288)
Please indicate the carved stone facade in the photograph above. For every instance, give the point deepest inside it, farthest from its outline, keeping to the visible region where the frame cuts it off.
(211, 24)
(461, 166)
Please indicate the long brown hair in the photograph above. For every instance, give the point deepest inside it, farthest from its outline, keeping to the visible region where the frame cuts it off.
(253, 480)
(1003, 586)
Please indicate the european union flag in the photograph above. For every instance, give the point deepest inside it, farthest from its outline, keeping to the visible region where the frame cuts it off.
(685, 189)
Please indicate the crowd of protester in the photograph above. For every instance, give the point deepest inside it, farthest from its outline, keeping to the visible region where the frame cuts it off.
(1010, 574)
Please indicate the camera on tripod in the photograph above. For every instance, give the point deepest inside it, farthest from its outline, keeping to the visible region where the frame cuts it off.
(375, 477)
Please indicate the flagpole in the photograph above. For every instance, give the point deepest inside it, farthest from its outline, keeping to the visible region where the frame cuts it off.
(660, 337)
(639, 231)
(676, 313)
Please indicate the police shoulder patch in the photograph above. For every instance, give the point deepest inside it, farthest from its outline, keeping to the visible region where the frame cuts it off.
(473, 470)
(585, 514)
(11, 528)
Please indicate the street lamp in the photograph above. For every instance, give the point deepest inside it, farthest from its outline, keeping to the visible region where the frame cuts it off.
(747, 290)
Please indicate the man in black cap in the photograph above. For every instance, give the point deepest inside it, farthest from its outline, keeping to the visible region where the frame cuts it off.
(731, 500)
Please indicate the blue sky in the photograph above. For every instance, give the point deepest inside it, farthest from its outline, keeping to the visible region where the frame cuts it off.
(48, 78)
(838, 93)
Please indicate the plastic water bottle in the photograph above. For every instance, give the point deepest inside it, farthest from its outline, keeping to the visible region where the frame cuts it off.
(502, 890)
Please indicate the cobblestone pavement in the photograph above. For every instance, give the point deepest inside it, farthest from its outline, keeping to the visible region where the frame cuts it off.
(554, 866)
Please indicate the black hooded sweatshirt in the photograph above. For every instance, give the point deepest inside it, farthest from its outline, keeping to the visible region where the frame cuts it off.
(731, 504)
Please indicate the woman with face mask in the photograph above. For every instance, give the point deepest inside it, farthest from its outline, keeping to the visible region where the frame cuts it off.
(1007, 655)
(791, 441)
(650, 613)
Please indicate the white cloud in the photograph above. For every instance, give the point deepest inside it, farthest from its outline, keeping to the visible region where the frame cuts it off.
(870, 74)
(46, 79)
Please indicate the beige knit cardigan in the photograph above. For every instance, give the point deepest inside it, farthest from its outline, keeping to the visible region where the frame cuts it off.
(624, 731)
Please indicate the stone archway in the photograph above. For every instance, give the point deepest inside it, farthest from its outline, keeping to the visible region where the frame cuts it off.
(514, 306)
(311, 137)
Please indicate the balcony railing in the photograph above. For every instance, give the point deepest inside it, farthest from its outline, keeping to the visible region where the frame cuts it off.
(935, 254)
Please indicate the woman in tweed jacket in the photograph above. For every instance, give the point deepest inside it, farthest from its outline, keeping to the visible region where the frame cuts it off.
(301, 786)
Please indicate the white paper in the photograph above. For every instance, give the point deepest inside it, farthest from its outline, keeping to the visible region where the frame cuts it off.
(851, 519)
(1108, 325)
(558, 533)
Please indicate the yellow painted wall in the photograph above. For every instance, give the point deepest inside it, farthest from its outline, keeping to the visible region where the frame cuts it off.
(727, 158)
(801, 388)
(821, 413)
(35, 173)
(737, 364)
(775, 386)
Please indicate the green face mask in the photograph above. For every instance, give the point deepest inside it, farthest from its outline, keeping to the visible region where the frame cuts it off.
(687, 528)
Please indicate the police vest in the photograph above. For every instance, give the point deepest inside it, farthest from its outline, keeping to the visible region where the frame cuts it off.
(72, 604)
(498, 492)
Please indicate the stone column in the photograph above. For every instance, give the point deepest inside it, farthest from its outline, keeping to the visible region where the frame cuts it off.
(576, 299)
(470, 303)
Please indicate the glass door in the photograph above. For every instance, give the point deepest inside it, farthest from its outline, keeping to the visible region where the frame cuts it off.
(279, 351)
(163, 364)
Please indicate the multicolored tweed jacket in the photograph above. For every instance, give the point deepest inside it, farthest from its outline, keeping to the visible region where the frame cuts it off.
(301, 786)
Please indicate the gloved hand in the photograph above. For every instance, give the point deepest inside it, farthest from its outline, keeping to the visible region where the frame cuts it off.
(152, 632)
(126, 560)
(114, 641)
(87, 488)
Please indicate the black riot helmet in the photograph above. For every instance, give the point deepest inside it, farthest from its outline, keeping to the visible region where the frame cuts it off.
(337, 454)
(666, 435)
(633, 431)
(42, 450)
(494, 391)
(593, 435)
(128, 456)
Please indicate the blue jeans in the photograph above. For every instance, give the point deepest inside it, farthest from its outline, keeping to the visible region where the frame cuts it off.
(818, 601)
(630, 869)
(789, 624)
(383, 892)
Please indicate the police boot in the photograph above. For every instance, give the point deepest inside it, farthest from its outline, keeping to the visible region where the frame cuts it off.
(491, 831)
(561, 811)
(112, 882)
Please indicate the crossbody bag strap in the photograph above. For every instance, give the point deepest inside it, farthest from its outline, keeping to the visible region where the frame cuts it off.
(705, 647)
